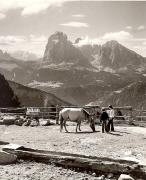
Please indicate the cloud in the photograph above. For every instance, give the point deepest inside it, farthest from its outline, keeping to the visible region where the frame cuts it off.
(75, 24)
(11, 39)
(37, 39)
(125, 38)
(141, 27)
(88, 41)
(31, 43)
(129, 27)
(121, 35)
(28, 7)
(22, 39)
(2, 16)
(78, 15)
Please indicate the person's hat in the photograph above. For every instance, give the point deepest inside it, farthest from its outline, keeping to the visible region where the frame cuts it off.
(103, 109)
(110, 106)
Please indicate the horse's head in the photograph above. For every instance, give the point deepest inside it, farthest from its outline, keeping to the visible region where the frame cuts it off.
(92, 123)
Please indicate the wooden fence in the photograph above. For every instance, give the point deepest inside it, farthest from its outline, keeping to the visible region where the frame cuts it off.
(128, 113)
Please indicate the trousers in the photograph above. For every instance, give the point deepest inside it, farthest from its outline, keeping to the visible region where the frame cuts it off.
(110, 125)
(104, 126)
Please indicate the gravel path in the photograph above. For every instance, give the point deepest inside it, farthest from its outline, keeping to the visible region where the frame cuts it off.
(125, 143)
(39, 171)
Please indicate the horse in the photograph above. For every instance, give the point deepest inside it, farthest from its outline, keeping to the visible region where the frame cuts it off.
(75, 115)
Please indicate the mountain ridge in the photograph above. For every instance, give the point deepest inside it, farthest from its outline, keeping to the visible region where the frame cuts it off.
(133, 95)
(59, 49)
(110, 67)
(35, 97)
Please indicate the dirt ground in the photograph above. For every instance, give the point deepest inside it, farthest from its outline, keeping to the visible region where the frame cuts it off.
(125, 143)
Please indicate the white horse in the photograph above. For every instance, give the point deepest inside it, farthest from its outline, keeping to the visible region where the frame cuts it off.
(75, 115)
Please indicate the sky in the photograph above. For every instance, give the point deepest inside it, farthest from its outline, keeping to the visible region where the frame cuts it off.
(27, 24)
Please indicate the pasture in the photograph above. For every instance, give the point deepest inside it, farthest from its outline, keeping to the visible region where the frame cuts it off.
(127, 142)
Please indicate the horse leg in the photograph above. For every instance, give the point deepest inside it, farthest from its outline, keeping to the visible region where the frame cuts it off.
(61, 123)
(80, 126)
(92, 125)
(65, 126)
(77, 127)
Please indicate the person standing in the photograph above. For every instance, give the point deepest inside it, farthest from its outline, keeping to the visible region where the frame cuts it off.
(111, 114)
(103, 119)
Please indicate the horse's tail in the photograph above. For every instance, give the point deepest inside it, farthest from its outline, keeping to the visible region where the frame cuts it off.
(61, 121)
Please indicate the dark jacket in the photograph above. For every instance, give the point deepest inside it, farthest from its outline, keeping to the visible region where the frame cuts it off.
(104, 116)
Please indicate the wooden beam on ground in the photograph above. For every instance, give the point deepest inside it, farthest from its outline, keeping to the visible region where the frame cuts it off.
(82, 162)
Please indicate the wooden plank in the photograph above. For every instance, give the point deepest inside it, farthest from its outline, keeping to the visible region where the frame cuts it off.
(90, 163)
(140, 116)
(86, 107)
(2, 114)
(121, 107)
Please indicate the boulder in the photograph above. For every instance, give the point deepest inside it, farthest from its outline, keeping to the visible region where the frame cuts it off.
(27, 122)
(125, 177)
(9, 120)
(46, 122)
(19, 122)
(6, 158)
(34, 123)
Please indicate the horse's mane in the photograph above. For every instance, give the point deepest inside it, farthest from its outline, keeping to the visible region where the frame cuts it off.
(86, 112)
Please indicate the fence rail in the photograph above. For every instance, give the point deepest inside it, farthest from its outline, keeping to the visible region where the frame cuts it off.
(53, 112)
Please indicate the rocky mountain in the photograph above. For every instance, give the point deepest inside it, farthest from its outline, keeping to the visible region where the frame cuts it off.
(113, 57)
(78, 75)
(5, 56)
(24, 55)
(14, 95)
(15, 69)
(33, 97)
(134, 94)
(60, 50)
(7, 95)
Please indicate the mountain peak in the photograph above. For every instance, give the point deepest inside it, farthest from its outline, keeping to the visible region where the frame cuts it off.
(78, 40)
(116, 56)
(112, 42)
(60, 50)
(58, 36)
(5, 55)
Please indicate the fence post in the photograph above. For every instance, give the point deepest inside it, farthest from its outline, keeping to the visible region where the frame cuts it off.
(131, 117)
(142, 113)
(57, 114)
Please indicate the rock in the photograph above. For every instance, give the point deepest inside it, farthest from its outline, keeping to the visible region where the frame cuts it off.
(125, 177)
(93, 174)
(110, 175)
(34, 123)
(6, 158)
(19, 122)
(8, 120)
(45, 122)
(27, 122)
(101, 177)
